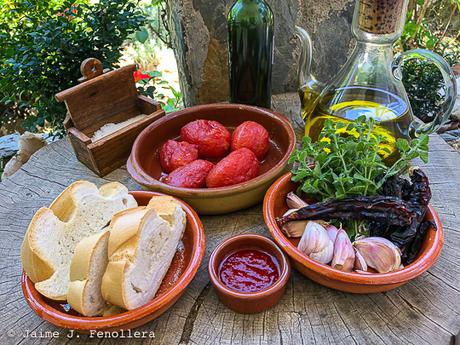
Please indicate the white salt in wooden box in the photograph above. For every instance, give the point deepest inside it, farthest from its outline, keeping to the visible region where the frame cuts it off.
(105, 115)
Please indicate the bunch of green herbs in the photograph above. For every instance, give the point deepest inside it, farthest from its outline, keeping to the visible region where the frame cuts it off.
(347, 160)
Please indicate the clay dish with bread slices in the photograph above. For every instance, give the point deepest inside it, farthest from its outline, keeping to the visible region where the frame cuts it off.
(83, 280)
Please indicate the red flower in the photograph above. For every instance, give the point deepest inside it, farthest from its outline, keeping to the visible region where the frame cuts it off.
(138, 75)
(68, 12)
(73, 8)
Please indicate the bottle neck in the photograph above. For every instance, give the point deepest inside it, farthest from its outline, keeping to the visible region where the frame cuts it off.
(369, 65)
(374, 53)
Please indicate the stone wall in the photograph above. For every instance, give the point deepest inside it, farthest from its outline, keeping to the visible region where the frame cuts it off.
(199, 32)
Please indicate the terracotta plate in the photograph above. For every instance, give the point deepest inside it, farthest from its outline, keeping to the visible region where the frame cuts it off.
(183, 269)
(275, 206)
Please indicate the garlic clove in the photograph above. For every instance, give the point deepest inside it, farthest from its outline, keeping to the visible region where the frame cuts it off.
(294, 228)
(325, 255)
(360, 263)
(344, 254)
(379, 253)
(309, 240)
(294, 201)
(316, 244)
(332, 231)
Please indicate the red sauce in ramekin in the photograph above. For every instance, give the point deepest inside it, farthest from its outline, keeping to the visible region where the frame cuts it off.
(249, 270)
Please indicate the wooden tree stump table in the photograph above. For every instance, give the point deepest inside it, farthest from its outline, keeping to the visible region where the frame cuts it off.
(424, 311)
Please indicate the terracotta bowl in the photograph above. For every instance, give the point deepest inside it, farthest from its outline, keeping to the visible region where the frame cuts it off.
(249, 302)
(183, 268)
(275, 206)
(144, 163)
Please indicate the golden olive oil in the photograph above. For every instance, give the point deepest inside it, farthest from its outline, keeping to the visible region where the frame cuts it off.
(308, 100)
(347, 104)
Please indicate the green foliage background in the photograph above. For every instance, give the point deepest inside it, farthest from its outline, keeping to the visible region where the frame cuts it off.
(432, 25)
(41, 51)
(43, 43)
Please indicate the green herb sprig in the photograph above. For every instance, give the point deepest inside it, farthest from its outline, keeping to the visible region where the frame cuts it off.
(347, 159)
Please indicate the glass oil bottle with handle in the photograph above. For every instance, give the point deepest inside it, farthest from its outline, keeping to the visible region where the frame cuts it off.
(251, 32)
(370, 83)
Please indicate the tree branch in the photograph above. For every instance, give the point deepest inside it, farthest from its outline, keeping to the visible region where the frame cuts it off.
(421, 15)
(454, 9)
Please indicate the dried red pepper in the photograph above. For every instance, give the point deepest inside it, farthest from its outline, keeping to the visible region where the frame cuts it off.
(409, 239)
(389, 210)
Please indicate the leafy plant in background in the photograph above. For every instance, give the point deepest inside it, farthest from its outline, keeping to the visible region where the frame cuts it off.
(157, 23)
(425, 87)
(174, 103)
(44, 43)
(432, 25)
(149, 85)
(149, 39)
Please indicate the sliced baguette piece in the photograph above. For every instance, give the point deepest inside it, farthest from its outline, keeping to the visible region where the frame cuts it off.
(87, 267)
(53, 233)
(137, 265)
(124, 226)
(165, 206)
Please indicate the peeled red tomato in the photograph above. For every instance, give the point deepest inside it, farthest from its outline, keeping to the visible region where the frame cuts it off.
(174, 154)
(252, 136)
(211, 137)
(192, 175)
(239, 166)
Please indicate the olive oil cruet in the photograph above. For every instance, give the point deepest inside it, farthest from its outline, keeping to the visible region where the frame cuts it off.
(369, 83)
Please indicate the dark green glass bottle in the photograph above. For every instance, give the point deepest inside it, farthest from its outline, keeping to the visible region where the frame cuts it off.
(250, 31)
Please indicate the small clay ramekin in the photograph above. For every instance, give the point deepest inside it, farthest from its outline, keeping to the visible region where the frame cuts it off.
(249, 302)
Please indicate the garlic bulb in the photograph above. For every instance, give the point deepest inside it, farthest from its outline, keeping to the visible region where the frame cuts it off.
(344, 254)
(316, 244)
(379, 253)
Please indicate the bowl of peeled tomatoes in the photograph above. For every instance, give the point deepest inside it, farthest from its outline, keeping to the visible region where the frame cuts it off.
(219, 158)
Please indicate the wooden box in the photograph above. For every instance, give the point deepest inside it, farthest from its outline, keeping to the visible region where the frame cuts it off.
(105, 97)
